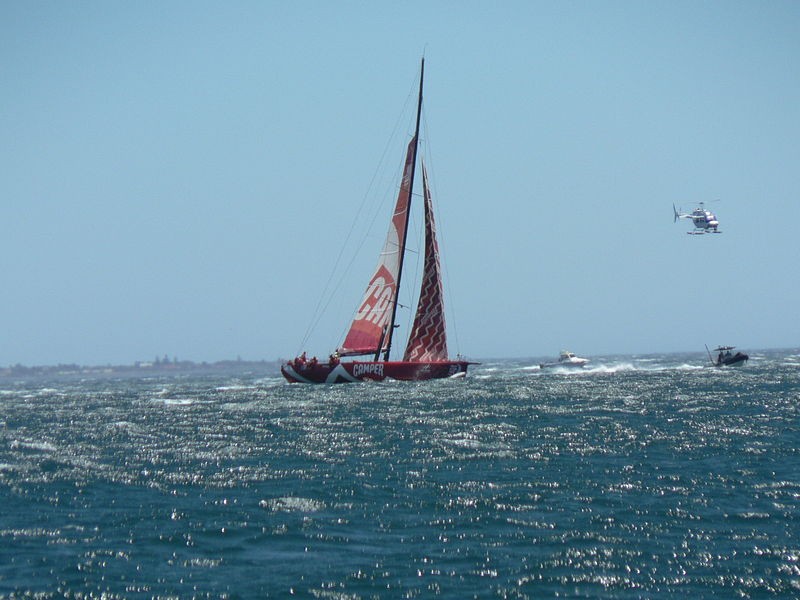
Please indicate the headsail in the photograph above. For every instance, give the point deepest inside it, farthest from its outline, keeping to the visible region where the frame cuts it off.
(428, 340)
(370, 331)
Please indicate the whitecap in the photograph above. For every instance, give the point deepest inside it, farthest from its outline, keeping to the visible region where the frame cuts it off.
(175, 401)
(292, 504)
(235, 388)
(688, 367)
(752, 515)
(35, 446)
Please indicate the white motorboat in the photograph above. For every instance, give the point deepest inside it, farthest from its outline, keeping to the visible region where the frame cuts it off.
(566, 359)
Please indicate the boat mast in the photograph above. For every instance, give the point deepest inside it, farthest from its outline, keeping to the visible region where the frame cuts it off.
(390, 331)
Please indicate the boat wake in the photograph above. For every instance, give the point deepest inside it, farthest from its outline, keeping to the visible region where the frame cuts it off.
(625, 367)
(601, 368)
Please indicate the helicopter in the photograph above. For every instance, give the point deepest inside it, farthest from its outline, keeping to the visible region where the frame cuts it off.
(704, 220)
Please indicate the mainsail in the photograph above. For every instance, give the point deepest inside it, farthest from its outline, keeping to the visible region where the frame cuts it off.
(370, 331)
(428, 340)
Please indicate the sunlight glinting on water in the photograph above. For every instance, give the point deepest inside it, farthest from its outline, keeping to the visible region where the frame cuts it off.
(654, 478)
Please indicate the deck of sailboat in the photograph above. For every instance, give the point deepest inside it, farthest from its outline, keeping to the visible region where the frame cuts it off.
(349, 372)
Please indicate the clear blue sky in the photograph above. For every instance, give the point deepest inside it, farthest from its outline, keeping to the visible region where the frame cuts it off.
(177, 177)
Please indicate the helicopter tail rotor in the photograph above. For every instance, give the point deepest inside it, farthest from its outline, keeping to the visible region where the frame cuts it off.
(677, 216)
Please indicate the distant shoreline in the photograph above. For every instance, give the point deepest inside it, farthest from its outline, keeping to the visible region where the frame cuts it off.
(141, 368)
(266, 368)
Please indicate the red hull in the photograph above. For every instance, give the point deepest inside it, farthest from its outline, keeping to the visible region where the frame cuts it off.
(373, 371)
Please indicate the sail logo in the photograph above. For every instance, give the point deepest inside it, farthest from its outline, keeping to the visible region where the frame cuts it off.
(362, 369)
(377, 300)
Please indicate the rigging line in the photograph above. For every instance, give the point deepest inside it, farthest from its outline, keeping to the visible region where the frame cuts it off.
(388, 198)
(322, 303)
(328, 297)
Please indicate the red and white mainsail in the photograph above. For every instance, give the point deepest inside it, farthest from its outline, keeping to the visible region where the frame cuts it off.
(428, 340)
(370, 331)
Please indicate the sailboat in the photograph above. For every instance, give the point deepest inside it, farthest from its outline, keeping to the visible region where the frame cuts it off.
(372, 331)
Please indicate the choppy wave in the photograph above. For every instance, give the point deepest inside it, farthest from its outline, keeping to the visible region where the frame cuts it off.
(635, 477)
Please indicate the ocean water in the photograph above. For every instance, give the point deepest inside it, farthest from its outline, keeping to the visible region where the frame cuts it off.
(640, 477)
